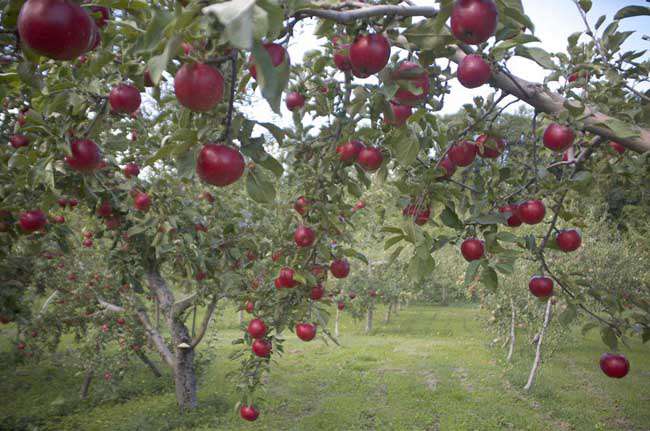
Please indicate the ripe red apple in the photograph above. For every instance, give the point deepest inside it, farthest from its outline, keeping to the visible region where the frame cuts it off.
(463, 153)
(617, 147)
(85, 156)
(613, 365)
(306, 331)
(474, 21)
(369, 54)
(370, 158)
(301, 205)
(473, 71)
(294, 101)
(124, 99)
(285, 279)
(262, 348)
(342, 58)
(256, 328)
(105, 209)
(340, 268)
(112, 223)
(219, 165)
(584, 74)
(87, 242)
(58, 29)
(358, 206)
(448, 165)
(340, 305)
(568, 240)
(349, 152)
(248, 413)
(198, 86)
(531, 212)
(540, 286)
(316, 292)
(31, 221)
(250, 307)
(120, 321)
(187, 48)
(5, 320)
(373, 293)
(18, 141)
(142, 202)
(277, 54)
(422, 216)
(200, 276)
(558, 137)
(401, 113)
(131, 170)
(73, 202)
(59, 219)
(304, 236)
(418, 78)
(490, 147)
(513, 220)
(472, 249)
(63, 202)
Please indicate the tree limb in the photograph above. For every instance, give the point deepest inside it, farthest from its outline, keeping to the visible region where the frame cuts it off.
(155, 337)
(348, 16)
(206, 321)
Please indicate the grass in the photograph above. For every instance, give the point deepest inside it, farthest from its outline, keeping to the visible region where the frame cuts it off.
(430, 369)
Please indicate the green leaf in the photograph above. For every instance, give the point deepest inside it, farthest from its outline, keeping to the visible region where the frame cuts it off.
(392, 241)
(259, 188)
(538, 55)
(621, 128)
(585, 5)
(609, 337)
(154, 32)
(489, 278)
(449, 218)
(600, 21)
(272, 80)
(276, 131)
(632, 11)
(404, 145)
(158, 64)
(568, 315)
(470, 272)
(237, 16)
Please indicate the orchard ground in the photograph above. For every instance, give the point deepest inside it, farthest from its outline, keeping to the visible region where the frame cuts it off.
(430, 368)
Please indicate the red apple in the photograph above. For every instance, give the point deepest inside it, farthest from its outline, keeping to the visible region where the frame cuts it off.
(248, 413)
(513, 219)
(131, 170)
(262, 348)
(358, 206)
(584, 74)
(58, 29)
(200, 276)
(540, 286)
(198, 86)
(112, 223)
(401, 113)
(304, 236)
(105, 209)
(558, 137)
(219, 165)
(286, 278)
(417, 77)
(463, 153)
(474, 21)
(58, 219)
(448, 165)
(18, 141)
(301, 205)
(31, 221)
(277, 54)
(85, 156)
(568, 240)
(340, 305)
(306, 331)
(617, 147)
(473, 71)
(369, 54)
(370, 158)
(613, 365)
(342, 58)
(124, 99)
(490, 147)
(250, 307)
(349, 152)
(316, 292)
(256, 328)
(87, 243)
(472, 249)
(142, 202)
(531, 212)
(340, 268)
(294, 101)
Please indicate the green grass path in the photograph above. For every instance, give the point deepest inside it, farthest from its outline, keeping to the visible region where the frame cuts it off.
(429, 369)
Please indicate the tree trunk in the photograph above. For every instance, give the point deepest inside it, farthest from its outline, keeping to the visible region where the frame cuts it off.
(336, 323)
(369, 320)
(444, 295)
(144, 358)
(512, 331)
(538, 352)
(388, 310)
(398, 308)
(241, 316)
(184, 372)
(85, 387)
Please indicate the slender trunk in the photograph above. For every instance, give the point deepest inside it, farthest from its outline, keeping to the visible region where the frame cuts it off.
(85, 387)
(388, 310)
(512, 331)
(144, 358)
(398, 307)
(538, 352)
(369, 319)
(444, 295)
(241, 317)
(336, 323)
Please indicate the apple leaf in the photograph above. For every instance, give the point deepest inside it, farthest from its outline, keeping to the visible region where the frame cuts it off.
(538, 55)
(568, 315)
(609, 337)
(259, 188)
(470, 272)
(585, 5)
(632, 11)
(237, 16)
(158, 64)
(272, 80)
(449, 218)
(489, 278)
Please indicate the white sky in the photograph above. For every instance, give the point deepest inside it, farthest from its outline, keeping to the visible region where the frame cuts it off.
(554, 20)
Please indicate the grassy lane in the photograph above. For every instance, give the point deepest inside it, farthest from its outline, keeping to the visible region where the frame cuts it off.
(429, 369)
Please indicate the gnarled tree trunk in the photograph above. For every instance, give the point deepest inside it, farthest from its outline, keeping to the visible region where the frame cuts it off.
(184, 371)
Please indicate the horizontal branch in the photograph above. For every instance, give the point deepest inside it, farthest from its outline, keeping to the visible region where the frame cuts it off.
(110, 307)
(348, 16)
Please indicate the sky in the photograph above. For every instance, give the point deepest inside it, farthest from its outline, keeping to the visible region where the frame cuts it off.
(554, 20)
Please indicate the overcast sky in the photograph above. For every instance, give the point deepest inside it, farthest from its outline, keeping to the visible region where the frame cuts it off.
(554, 20)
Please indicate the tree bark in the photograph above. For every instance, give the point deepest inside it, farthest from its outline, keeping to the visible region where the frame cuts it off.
(369, 319)
(538, 351)
(512, 331)
(85, 387)
(184, 372)
(388, 310)
(336, 323)
(444, 295)
(144, 358)
(241, 316)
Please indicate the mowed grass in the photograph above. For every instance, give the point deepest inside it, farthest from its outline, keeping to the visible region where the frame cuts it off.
(430, 368)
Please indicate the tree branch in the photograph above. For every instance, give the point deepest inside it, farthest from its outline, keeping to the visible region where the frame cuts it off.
(206, 321)
(345, 17)
(155, 337)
